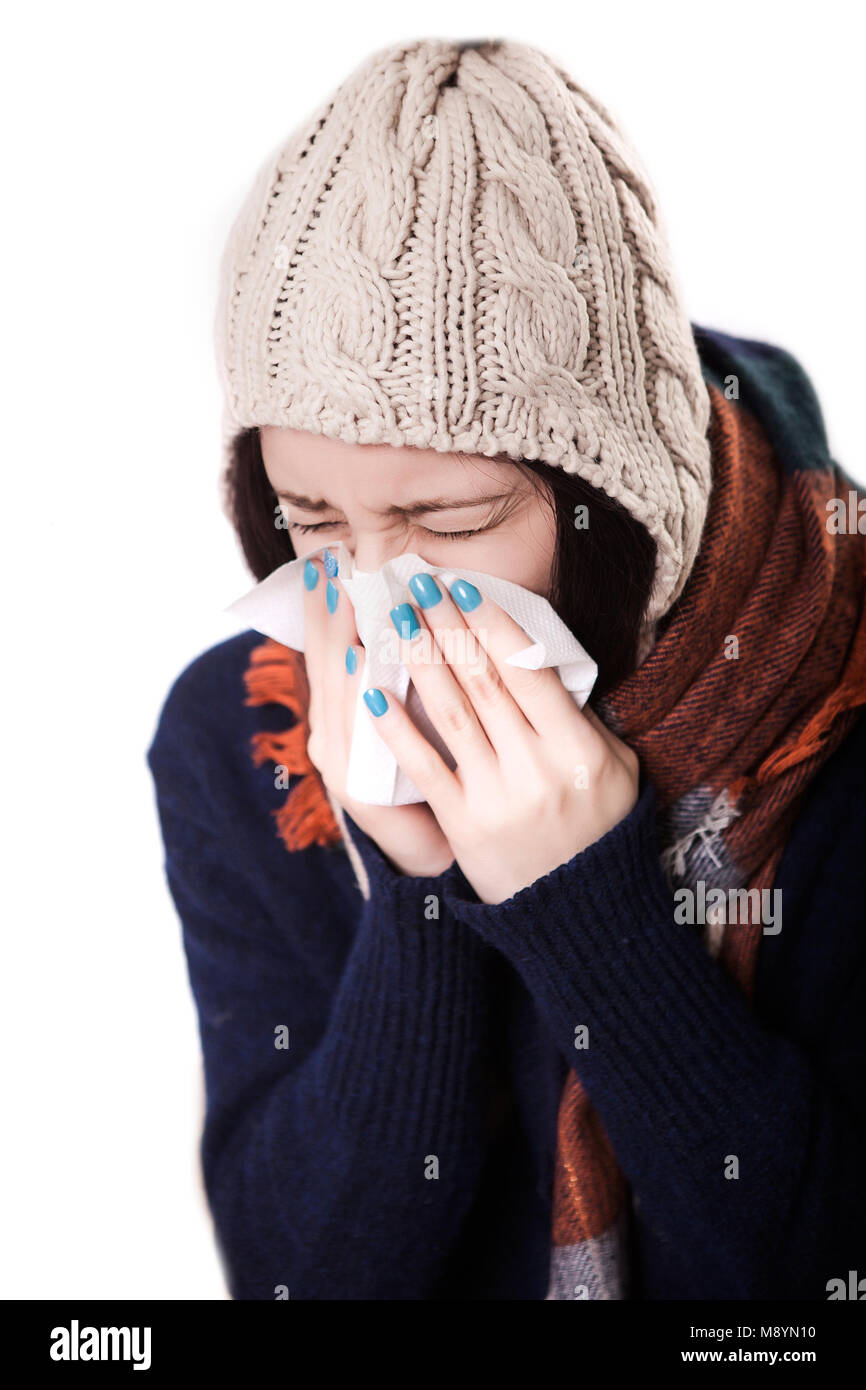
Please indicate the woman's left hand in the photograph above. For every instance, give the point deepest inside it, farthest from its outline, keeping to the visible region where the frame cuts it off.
(537, 779)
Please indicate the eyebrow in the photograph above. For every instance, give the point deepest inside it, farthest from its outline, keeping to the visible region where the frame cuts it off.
(430, 504)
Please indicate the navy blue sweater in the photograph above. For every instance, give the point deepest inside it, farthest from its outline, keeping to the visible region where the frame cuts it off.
(411, 1036)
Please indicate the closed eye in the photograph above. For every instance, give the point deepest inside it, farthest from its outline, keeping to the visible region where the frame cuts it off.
(440, 535)
(454, 535)
(320, 526)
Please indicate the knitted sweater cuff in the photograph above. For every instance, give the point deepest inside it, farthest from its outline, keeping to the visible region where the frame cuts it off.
(597, 944)
(403, 892)
(418, 993)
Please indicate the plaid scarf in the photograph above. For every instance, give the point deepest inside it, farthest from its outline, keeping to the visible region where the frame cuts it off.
(754, 680)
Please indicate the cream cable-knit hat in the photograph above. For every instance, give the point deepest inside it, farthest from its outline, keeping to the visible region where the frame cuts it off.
(459, 250)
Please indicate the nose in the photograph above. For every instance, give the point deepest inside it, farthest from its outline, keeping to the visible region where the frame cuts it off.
(372, 549)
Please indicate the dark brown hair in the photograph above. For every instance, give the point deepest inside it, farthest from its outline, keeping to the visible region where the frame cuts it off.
(602, 572)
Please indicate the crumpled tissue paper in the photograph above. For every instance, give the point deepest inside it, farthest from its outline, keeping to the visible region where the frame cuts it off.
(275, 607)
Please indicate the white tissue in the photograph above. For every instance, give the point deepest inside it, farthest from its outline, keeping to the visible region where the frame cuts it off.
(275, 607)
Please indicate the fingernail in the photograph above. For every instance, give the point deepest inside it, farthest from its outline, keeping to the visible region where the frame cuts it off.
(311, 575)
(351, 660)
(332, 593)
(404, 620)
(425, 589)
(331, 566)
(376, 701)
(465, 595)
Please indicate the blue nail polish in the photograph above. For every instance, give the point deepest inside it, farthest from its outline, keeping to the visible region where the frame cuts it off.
(375, 701)
(425, 589)
(331, 566)
(332, 593)
(351, 660)
(311, 575)
(404, 620)
(465, 595)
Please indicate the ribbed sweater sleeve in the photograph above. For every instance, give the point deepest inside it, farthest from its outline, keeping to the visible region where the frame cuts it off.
(342, 1165)
(685, 1078)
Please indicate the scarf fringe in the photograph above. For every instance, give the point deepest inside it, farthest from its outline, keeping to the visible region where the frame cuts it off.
(276, 675)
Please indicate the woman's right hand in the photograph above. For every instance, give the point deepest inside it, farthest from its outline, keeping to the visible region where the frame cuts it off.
(409, 836)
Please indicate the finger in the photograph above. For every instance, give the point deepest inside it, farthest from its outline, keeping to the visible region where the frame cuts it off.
(540, 695)
(609, 742)
(314, 633)
(469, 664)
(447, 705)
(600, 727)
(418, 758)
(342, 651)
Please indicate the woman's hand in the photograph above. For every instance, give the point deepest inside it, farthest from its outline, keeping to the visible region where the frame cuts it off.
(537, 779)
(409, 836)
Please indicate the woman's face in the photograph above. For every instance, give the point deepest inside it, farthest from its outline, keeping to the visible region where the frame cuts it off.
(381, 501)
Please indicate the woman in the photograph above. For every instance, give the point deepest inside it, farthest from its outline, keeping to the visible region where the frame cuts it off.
(588, 1021)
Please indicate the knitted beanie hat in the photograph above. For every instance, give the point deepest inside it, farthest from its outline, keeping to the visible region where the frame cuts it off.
(459, 251)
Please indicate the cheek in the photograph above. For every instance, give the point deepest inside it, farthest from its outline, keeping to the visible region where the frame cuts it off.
(523, 550)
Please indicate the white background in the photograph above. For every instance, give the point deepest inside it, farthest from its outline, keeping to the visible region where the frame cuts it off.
(131, 137)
